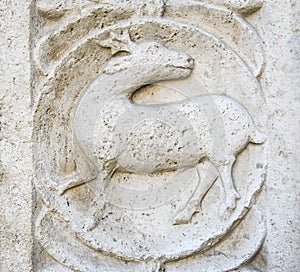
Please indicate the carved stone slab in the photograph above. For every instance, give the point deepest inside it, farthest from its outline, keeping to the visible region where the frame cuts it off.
(149, 135)
(149, 142)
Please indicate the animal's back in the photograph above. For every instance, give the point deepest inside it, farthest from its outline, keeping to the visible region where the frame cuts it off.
(147, 139)
(222, 124)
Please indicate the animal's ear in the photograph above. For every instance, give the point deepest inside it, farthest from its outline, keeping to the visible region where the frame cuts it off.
(118, 41)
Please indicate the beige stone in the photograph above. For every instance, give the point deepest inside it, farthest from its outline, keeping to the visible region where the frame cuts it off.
(149, 136)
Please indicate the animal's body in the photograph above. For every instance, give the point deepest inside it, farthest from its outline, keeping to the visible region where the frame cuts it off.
(143, 139)
(176, 136)
(166, 137)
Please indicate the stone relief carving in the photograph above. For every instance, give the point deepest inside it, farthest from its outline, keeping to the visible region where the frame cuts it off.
(148, 136)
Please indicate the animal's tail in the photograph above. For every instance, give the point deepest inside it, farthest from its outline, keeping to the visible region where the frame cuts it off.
(257, 137)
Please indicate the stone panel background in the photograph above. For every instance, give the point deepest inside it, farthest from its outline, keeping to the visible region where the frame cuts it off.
(16, 191)
(278, 25)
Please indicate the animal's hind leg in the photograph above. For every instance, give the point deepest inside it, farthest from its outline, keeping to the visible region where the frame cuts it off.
(231, 194)
(206, 178)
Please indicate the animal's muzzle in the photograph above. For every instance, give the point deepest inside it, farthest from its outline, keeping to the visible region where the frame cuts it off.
(190, 63)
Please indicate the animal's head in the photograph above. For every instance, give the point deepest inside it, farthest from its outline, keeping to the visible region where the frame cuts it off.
(150, 60)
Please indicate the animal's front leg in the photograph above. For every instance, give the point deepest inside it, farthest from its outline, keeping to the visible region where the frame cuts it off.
(205, 179)
(73, 181)
(99, 207)
(231, 194)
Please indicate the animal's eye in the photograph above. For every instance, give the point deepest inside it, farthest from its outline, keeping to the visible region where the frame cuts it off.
(157, 45)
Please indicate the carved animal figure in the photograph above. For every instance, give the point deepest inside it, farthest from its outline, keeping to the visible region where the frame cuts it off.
(144, 139)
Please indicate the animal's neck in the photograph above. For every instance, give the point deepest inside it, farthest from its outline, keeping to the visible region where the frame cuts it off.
(107, 92)
(125, 83)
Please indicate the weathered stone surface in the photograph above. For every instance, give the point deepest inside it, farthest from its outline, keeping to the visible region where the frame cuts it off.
(158, 135)
(281, 80)
(16, 166)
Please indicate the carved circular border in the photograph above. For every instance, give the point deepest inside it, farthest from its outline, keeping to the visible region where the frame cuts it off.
(50, 197)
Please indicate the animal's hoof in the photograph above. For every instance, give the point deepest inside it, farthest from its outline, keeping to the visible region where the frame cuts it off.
(237, 195)
(229, 205)
(231, 201)
(61, 190)
(224, 212)
(184, 217)
(180, 220)
(70, 183)
(97, 215)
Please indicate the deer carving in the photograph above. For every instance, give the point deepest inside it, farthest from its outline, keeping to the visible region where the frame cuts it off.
(136, 138)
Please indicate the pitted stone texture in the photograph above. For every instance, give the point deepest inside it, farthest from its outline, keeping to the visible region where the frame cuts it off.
(281, 81)
(16, 166)
(124, 147)
(129, 177)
